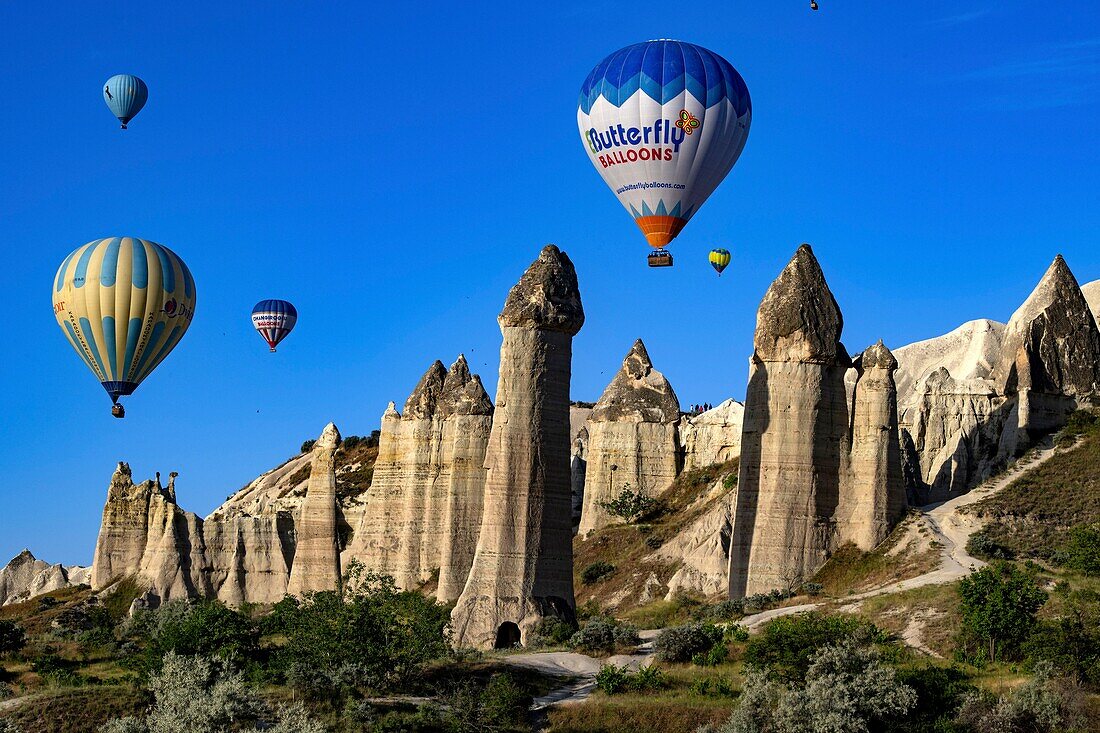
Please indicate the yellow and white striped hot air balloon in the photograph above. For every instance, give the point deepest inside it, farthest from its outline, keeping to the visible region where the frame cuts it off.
(123, 303)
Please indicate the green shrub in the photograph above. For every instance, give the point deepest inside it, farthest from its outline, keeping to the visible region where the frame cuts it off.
(552, 631)
(206, 627)
(12, 637)
(1070, 642)
(632, 506)
(689, 643)
(604, 635)
(497, 705)
(813, 589)
(716, 687)
(730, 481)
(787, 646)
(648, 678)
(307, 446)
(940, 693)
(612, 679)
(981, 545)
(1082, 552)
(736, 633)
(728, 610)
(596, 571)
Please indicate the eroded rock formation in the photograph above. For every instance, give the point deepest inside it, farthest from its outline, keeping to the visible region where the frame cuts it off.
(522, 569)
(317, 555)
(798, 495)
(713, 436)
(632, 441)
(25, 577)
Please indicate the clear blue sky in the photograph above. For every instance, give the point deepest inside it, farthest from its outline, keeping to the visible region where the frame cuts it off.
(393, 171)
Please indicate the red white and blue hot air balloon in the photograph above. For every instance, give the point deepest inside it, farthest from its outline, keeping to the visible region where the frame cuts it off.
(274, 319)
(663, 122)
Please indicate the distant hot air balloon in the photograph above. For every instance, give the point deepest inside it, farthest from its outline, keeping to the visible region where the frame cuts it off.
(274, 319)
(125, 95)
(719, 258)
(123, 303)
(663, 122)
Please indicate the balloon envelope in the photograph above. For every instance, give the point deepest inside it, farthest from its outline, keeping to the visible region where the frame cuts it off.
(123, 303)
(663, 122)
(719, 259)
(125, 95)
(274, 319)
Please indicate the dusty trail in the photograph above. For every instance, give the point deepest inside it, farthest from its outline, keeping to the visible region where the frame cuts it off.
(951, 529)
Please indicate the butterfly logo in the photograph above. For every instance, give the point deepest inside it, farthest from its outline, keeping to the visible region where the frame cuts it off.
(688, 122)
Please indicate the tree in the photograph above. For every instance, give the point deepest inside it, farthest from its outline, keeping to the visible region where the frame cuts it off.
(1041, 705)
(1071, 642)
(1082, 552)
(630, 506)
(206, 627)
(787, 646)
(12, 637)
(999, 607)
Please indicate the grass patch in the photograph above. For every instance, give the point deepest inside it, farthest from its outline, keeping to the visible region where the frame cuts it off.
(938, 605)
(850, 569)
(1033, 515)
(77, 710)
(639, 713)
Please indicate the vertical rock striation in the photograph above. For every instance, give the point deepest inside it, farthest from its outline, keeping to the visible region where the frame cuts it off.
(632, 440)
(466, 413)
(713, 436)
(874, 498)
(522, 569)
(317, 557)
(816, 469)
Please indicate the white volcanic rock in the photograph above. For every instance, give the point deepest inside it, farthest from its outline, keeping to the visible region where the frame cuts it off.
(632, 441)
(968, 352)
(25, 577)
(1092, 297)
(713, 436)
(317, 554)
(522, 569)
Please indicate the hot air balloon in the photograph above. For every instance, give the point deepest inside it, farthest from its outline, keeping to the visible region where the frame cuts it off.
(719, 258)
(274, 319)
(125, 95)
(123, 303)
(663, 122)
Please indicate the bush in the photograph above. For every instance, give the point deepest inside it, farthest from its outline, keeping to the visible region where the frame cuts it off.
(717, 687)
(1070, 643)
(940, 692)
(736, 633)
(207, 627)
(308, 446)
(1041, 705)
(1080, 422)
(813, 589)
(999, 607)
(981, 545)
(596, 571)
(787, 646)
(631, 506)
(12, 637)
(604, 635)
(499, 705)
(368, 635)
(552, 631)
(723, 611)
(612, 679)
(847, 690)
(690, 642)
(1082, 552)
(57, 672)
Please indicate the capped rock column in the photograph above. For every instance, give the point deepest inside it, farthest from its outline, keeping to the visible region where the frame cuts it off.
(317, 556)
(375, 542)
(632, 441)
(522, 569)
(874, 499)
(794, 445)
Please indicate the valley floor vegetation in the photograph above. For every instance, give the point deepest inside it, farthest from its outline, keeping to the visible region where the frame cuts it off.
(1012, 648)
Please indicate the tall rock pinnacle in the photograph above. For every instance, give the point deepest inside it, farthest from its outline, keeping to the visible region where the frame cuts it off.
(817, 468)
(632, 438)
(317, 555)
(522, 568)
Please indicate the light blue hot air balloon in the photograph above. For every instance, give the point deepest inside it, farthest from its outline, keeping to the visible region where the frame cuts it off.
(125, 95)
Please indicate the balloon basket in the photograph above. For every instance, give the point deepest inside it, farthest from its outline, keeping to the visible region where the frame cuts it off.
(660, 258)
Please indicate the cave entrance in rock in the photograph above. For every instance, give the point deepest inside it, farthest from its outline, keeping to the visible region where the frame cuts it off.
(507, 636)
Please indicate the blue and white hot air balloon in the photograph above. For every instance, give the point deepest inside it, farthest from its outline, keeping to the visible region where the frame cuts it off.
(663, 122)
(274, 319)
(125, 95)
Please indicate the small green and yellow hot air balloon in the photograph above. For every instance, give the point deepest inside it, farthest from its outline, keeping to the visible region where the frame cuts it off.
(123, 304)
(719, 258)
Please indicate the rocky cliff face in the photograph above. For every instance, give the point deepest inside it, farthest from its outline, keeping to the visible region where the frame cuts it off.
(25, 577)
(424, 504)
(713, 436)
(972, 399)
(632, 441)
(810, 460)
(522, 569)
